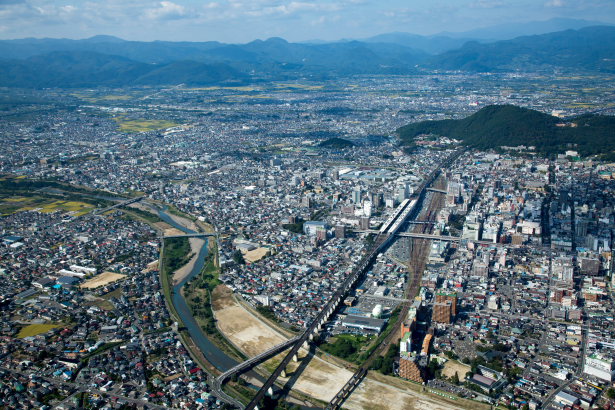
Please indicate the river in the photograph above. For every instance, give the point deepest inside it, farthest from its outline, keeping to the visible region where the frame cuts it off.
(212, 353)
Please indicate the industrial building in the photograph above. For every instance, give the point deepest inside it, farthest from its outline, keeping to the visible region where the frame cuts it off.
(364, 323)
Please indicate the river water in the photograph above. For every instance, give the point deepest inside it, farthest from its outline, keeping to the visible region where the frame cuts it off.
(212, 353)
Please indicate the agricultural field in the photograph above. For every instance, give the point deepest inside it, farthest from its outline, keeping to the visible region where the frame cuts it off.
(12, 204)
(103, 279)
(101, 303)
(95, 97)
(116, 293)
(36, 329)
(239, 97)
(306, 87)
(142, 125)
(216, 88)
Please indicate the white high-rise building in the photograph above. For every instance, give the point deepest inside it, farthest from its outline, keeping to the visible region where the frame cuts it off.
(367, 208)
(599, 366)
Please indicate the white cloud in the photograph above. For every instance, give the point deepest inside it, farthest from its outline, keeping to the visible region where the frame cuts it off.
(292, 8)
(68, 9)
(167, 10)
(486, 4)
(555, 3)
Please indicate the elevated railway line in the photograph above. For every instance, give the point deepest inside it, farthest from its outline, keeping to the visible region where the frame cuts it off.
(407, 210)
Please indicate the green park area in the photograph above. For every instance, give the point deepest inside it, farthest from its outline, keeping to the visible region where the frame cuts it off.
(36, 329)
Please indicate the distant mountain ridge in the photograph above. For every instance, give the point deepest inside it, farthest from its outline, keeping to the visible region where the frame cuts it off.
(88, 69)
(273, 50)
(531, 28)
(590, 48)
(91, 62)
(496, 126)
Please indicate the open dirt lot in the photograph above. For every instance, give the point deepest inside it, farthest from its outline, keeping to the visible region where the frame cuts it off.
(379, 392)
(451, 367)
(320, 379)
(101, 280)
(373, 395)
(241, 327)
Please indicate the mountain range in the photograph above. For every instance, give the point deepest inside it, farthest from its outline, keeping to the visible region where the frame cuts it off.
(531, 28)
(110, 61)
(590, 48)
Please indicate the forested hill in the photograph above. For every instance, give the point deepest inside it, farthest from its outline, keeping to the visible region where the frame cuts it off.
(507, 125)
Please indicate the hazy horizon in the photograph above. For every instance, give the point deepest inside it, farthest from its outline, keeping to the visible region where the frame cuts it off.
(240, 21)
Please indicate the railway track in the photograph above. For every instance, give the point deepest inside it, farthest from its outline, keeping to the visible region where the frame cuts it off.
(418, 259)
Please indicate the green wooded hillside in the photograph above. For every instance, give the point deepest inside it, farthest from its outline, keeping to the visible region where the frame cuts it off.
(507, 125)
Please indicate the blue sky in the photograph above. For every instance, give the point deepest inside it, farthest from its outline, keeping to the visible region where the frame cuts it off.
(244, 20)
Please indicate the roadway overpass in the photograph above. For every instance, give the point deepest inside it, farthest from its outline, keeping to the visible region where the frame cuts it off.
(248, 364)
(434, 237)
(123, 203)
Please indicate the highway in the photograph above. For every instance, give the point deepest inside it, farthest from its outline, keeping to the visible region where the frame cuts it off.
(241, 367)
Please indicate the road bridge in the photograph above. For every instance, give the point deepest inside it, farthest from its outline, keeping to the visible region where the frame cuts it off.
(241, 367)
(441, 191)
(390, 298)
(430, 236)
(450, 239)
(189, 235)
(123, 203)
(248, 364)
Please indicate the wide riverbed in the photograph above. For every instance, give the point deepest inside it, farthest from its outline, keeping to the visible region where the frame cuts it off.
(212, 353)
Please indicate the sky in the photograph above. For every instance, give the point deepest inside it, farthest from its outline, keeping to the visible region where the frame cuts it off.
(240, 21)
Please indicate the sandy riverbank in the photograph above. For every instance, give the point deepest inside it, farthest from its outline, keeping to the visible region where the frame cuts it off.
(185, 222)
(195, 246)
